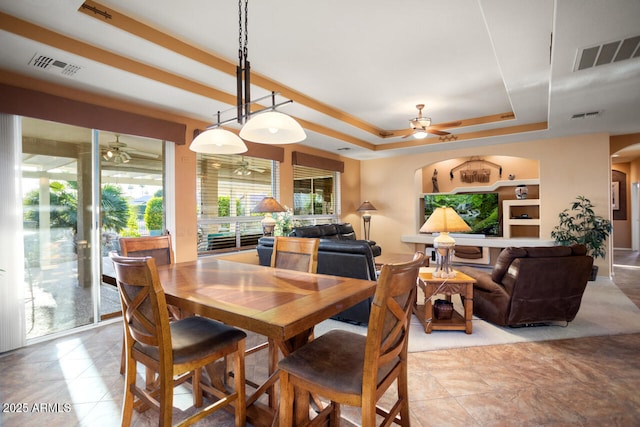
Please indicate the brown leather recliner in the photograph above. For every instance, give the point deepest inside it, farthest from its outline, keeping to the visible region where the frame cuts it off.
(532, 285)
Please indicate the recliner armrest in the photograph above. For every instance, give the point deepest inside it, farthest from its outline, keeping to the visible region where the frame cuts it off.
(483, 279)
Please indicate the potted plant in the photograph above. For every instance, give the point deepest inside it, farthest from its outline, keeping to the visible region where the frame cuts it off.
(580, 224)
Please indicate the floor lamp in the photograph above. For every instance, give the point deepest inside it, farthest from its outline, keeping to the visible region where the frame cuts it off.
(366, 207)
(444, 220)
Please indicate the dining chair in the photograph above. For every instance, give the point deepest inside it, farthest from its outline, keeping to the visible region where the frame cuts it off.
(295, 253)
(177, 351)
(351, 369)
(158, 247)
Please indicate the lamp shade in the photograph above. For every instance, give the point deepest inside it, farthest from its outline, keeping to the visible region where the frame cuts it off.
(272, 127)
(444, 219)
(268, 204)
(366, 206)
(218, 141)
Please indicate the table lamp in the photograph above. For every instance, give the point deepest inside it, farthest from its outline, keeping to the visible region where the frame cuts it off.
(444, 220)
(365, 207)
(268, 205)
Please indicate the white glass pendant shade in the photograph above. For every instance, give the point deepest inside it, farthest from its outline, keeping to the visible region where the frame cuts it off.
(218, 141)
(273, 127)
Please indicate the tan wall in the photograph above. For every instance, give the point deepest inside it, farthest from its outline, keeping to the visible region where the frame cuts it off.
(569, 167)
(186, 233)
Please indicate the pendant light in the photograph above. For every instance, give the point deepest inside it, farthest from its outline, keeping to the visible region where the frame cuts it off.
(272, 127)
(264, 127)
(218, 141)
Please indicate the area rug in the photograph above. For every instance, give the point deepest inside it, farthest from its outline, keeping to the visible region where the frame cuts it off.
(605, 310)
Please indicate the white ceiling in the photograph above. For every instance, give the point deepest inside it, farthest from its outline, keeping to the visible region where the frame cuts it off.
(371, 61)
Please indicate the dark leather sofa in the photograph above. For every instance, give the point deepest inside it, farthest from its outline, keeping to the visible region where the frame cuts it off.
(342, 231)
(532, 285)
(347, 258)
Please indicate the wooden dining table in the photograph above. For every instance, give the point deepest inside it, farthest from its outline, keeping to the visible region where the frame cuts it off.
(283, 305)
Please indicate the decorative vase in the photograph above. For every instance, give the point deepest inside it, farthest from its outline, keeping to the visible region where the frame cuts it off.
(521, 192)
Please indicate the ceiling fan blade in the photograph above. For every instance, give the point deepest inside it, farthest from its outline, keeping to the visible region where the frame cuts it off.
(436, 131)
(448, 125)
(143, 154)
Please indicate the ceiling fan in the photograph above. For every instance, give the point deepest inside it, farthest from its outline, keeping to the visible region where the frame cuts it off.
(245, 169)
(421, 126)
(118, 152)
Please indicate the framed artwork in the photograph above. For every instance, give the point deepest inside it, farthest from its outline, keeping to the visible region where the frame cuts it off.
(619, 195)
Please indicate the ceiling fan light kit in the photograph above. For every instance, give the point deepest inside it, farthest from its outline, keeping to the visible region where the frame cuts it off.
(421, 126)
(115, 152)
(420, 134)
(116, 156)
(121, 157)
(270, 127)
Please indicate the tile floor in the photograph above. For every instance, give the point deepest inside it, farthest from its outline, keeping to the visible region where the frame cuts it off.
(74, 381)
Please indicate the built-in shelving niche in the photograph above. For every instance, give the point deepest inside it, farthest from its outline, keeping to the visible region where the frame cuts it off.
(505, 173)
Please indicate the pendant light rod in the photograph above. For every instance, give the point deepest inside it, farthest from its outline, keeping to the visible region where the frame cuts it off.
(243, 70)
(271, 127)
(234, 119)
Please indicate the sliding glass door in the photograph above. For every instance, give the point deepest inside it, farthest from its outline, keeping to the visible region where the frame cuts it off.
(132, 201)
(57, 207)
(69, 174)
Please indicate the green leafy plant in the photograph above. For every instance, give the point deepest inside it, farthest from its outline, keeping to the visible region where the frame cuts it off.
(63, 205)
(580, 224)
(284, 222)
(115, 208)
(153, 214)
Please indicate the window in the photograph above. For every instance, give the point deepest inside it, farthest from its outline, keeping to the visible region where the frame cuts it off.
(315, 195)
(228, 188)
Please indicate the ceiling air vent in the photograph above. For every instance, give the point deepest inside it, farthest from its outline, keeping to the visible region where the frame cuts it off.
(589, 115)
(608, 53)
(50, 64)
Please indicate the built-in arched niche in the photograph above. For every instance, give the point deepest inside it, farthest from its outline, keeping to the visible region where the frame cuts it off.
(479, 173)
(484, 174)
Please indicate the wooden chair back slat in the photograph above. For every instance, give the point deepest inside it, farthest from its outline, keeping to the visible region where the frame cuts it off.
(158, 247)
(295, 253)
(388, 330)
(143, 301)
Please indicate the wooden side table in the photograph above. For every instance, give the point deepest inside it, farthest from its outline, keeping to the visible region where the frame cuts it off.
(461, 284)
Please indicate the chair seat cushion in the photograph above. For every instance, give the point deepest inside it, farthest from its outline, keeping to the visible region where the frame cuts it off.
(335, 361)
(196, 337)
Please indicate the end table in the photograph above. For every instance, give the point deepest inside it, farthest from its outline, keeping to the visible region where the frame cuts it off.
(431, 286)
